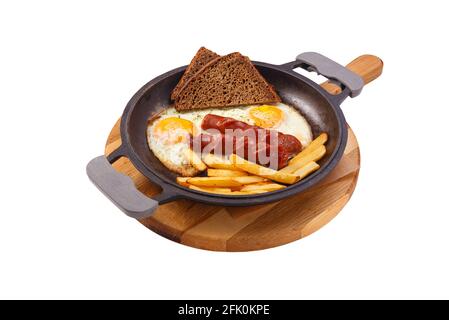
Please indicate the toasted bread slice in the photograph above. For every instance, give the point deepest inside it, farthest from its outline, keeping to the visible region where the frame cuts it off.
(201, 58)
(226, 81)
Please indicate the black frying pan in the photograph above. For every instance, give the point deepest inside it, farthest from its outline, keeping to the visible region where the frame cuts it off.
(320, 108)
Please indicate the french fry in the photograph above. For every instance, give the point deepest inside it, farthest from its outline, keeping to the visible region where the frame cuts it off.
(214, 182)
(313, 155)
(318, 141)
(249, 179)
(211, 189)
(226, 182)
(224, 191)
(253, 168)
(225, 173)
(238, 176)
(217, 162)
(242, 193)
(262, 187)
(195, 160)
(182, 181)
(304, 171)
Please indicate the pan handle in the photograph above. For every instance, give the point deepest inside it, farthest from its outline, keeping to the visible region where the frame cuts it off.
(367, 66)
(332, 70)
(313, 61)
(120, 189)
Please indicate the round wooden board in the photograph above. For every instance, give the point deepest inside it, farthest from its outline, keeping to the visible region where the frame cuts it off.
(248, 228)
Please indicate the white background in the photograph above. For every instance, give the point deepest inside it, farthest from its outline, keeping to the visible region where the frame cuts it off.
(67, 69)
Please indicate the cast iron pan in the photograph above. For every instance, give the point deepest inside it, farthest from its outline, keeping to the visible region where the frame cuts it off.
(321, 109)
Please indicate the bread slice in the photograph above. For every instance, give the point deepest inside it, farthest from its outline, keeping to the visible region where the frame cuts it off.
(201, 58)
(226, 81)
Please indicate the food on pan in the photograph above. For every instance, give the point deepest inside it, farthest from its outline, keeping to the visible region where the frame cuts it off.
(225, 191)
(263, 186)
(194, 160)
(262, 171)
(227, 81)
(307, 169)
(169, 139)
(202, 57)
(182, 181)
(319, 141)
(228, 133)
(170, 135)
(225, 173)
(224, 181)
(248, 140)
(218, 162)
(299, 162)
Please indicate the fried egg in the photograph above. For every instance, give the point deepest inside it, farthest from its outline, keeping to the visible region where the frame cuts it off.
(168, 135)
(280, 117)
(284, 119)
(169, 139)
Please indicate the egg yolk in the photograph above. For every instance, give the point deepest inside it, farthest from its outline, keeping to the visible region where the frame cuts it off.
(266, 116)
(175, 128)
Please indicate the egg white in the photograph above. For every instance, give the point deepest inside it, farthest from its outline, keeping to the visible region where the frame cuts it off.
(292, 121)
(295, 124)
(172, 152)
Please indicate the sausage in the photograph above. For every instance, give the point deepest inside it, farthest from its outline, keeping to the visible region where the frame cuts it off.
(251, 142)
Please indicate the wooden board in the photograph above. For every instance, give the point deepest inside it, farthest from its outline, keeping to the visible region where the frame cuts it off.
(259, 227)
(248, 228)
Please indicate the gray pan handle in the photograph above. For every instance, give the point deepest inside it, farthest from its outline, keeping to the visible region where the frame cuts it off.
(120, 189)
(332, 70)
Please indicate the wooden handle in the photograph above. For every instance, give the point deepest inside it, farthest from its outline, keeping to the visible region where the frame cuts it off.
(368, 67)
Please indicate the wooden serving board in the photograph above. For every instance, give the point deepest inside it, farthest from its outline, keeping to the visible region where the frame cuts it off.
(258, 227)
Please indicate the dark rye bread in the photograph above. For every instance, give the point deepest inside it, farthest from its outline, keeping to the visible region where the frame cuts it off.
(227, 81)
(201, 58)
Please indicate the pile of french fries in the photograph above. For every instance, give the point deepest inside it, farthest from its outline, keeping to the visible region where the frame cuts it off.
(238, 176)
